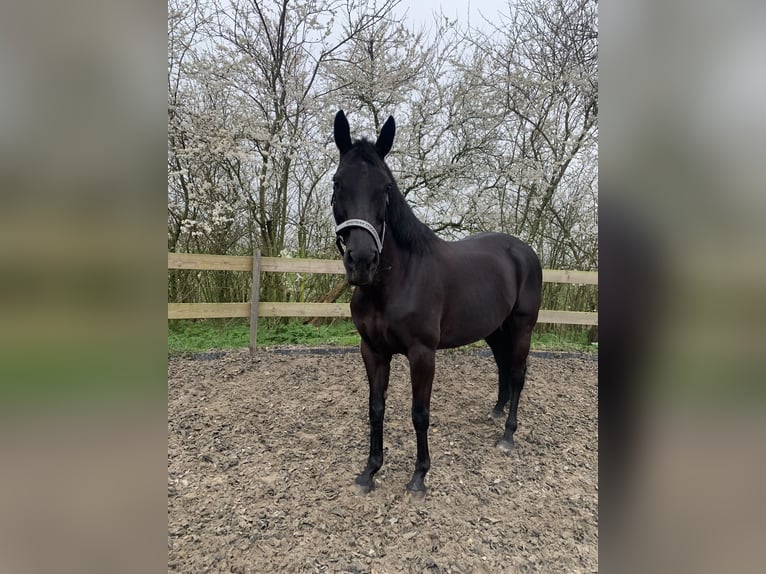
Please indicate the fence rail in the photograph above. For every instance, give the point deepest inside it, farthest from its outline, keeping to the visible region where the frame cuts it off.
(257, 265)
(287, 265)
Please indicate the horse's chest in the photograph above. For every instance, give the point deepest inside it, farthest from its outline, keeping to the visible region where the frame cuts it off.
(378, 330)
(395, 326)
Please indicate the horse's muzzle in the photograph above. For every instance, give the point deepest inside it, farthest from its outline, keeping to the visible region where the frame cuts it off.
(361, 266)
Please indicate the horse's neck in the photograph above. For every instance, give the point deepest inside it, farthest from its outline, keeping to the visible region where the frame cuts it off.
(396, 263)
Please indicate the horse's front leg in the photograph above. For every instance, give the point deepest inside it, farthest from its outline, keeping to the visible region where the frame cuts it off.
(378, 368)
(422, 362)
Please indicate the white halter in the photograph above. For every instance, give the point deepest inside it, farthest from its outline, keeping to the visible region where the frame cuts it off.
(367, 226)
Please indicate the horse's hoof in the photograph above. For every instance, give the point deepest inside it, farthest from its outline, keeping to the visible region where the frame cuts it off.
(417, 487)
(417, 495)
(362, 490)
(504, 445)
(363, 486)
(496, 415)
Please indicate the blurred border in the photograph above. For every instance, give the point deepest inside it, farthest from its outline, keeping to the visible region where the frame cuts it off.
(681, 244)
(82, 252)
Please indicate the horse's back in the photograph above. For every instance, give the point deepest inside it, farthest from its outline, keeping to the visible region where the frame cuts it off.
(508, 252)
(487, 277)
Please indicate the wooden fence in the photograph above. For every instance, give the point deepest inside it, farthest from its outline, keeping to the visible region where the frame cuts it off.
(257, 265)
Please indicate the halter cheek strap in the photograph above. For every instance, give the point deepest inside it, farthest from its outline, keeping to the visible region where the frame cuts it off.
(367, 226)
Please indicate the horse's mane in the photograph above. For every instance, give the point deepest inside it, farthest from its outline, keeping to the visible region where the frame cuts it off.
(408, 231)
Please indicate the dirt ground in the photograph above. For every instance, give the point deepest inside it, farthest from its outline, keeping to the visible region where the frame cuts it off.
(262, 456)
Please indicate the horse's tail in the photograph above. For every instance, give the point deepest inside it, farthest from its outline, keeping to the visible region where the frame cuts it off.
(530, 283)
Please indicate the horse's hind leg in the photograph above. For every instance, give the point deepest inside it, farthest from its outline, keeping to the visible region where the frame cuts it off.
(499, 342)
(519, 328)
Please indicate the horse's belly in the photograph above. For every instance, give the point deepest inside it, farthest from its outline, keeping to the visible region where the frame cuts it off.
(465, 322)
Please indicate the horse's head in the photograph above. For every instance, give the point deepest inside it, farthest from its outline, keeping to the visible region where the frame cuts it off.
(360, 199)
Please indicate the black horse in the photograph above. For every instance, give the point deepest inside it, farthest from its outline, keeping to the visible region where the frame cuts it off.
(416, 293)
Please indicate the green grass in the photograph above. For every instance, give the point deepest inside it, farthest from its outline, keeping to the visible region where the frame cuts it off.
(562, 339)
(203, 335)
(342, 333)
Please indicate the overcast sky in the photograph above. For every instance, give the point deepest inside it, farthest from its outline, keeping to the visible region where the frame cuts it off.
(421, 11)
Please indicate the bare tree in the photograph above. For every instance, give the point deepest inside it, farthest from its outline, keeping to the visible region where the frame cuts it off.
(243, 115)
(540, 65)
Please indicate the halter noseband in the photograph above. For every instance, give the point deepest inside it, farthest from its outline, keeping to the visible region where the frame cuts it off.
(367, 226)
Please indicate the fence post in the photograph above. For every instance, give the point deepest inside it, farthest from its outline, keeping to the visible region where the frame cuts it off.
(254, 300)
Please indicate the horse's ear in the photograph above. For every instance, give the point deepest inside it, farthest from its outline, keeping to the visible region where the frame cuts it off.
(386, 137)
(342, 132)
